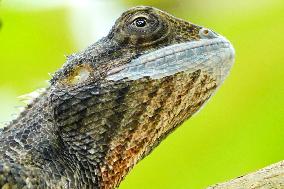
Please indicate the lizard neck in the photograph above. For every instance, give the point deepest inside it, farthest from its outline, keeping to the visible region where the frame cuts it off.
(108, 133)
(165, 104)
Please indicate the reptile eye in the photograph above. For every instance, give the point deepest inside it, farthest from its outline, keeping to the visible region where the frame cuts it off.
(143, 28)
(140, 22)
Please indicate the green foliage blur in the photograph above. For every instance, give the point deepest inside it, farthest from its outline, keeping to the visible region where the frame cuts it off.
(240, 130)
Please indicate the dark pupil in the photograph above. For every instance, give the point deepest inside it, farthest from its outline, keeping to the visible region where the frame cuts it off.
(140, 22)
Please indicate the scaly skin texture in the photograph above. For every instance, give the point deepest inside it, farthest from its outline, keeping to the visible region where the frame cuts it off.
(92, 125)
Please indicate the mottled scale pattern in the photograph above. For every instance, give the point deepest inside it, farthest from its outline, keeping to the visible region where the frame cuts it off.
(156, 111)
(111, 104)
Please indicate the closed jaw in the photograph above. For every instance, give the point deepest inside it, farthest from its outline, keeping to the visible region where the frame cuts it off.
(215, 56)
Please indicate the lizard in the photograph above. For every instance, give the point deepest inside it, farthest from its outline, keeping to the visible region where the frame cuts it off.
(111, 104)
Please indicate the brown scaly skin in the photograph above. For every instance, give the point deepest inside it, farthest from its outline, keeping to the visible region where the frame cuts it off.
(89, 133)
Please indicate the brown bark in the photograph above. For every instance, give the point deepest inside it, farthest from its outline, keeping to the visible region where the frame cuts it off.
(271, 177)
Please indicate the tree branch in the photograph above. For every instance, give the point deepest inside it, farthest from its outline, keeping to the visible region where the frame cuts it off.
(271, 177)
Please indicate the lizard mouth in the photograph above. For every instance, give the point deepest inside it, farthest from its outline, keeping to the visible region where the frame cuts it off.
(214, 56)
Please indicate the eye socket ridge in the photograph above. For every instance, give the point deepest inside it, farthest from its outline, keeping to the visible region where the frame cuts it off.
(142, 29)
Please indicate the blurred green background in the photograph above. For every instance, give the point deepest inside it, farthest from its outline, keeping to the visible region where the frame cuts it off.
(240, 130)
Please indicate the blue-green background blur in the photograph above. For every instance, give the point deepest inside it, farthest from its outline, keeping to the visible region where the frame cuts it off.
(240, 130)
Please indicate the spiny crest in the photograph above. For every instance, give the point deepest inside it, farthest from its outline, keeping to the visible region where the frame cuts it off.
(26, 99)
(30, 97)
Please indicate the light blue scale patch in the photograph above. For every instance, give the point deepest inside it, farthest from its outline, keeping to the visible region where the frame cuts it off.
(215, 56)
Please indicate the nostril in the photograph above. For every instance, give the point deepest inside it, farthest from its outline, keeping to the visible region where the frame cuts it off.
(207, 34)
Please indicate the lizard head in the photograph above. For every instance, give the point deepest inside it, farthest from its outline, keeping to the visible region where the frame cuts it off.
(143, 31)
(116, 100)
